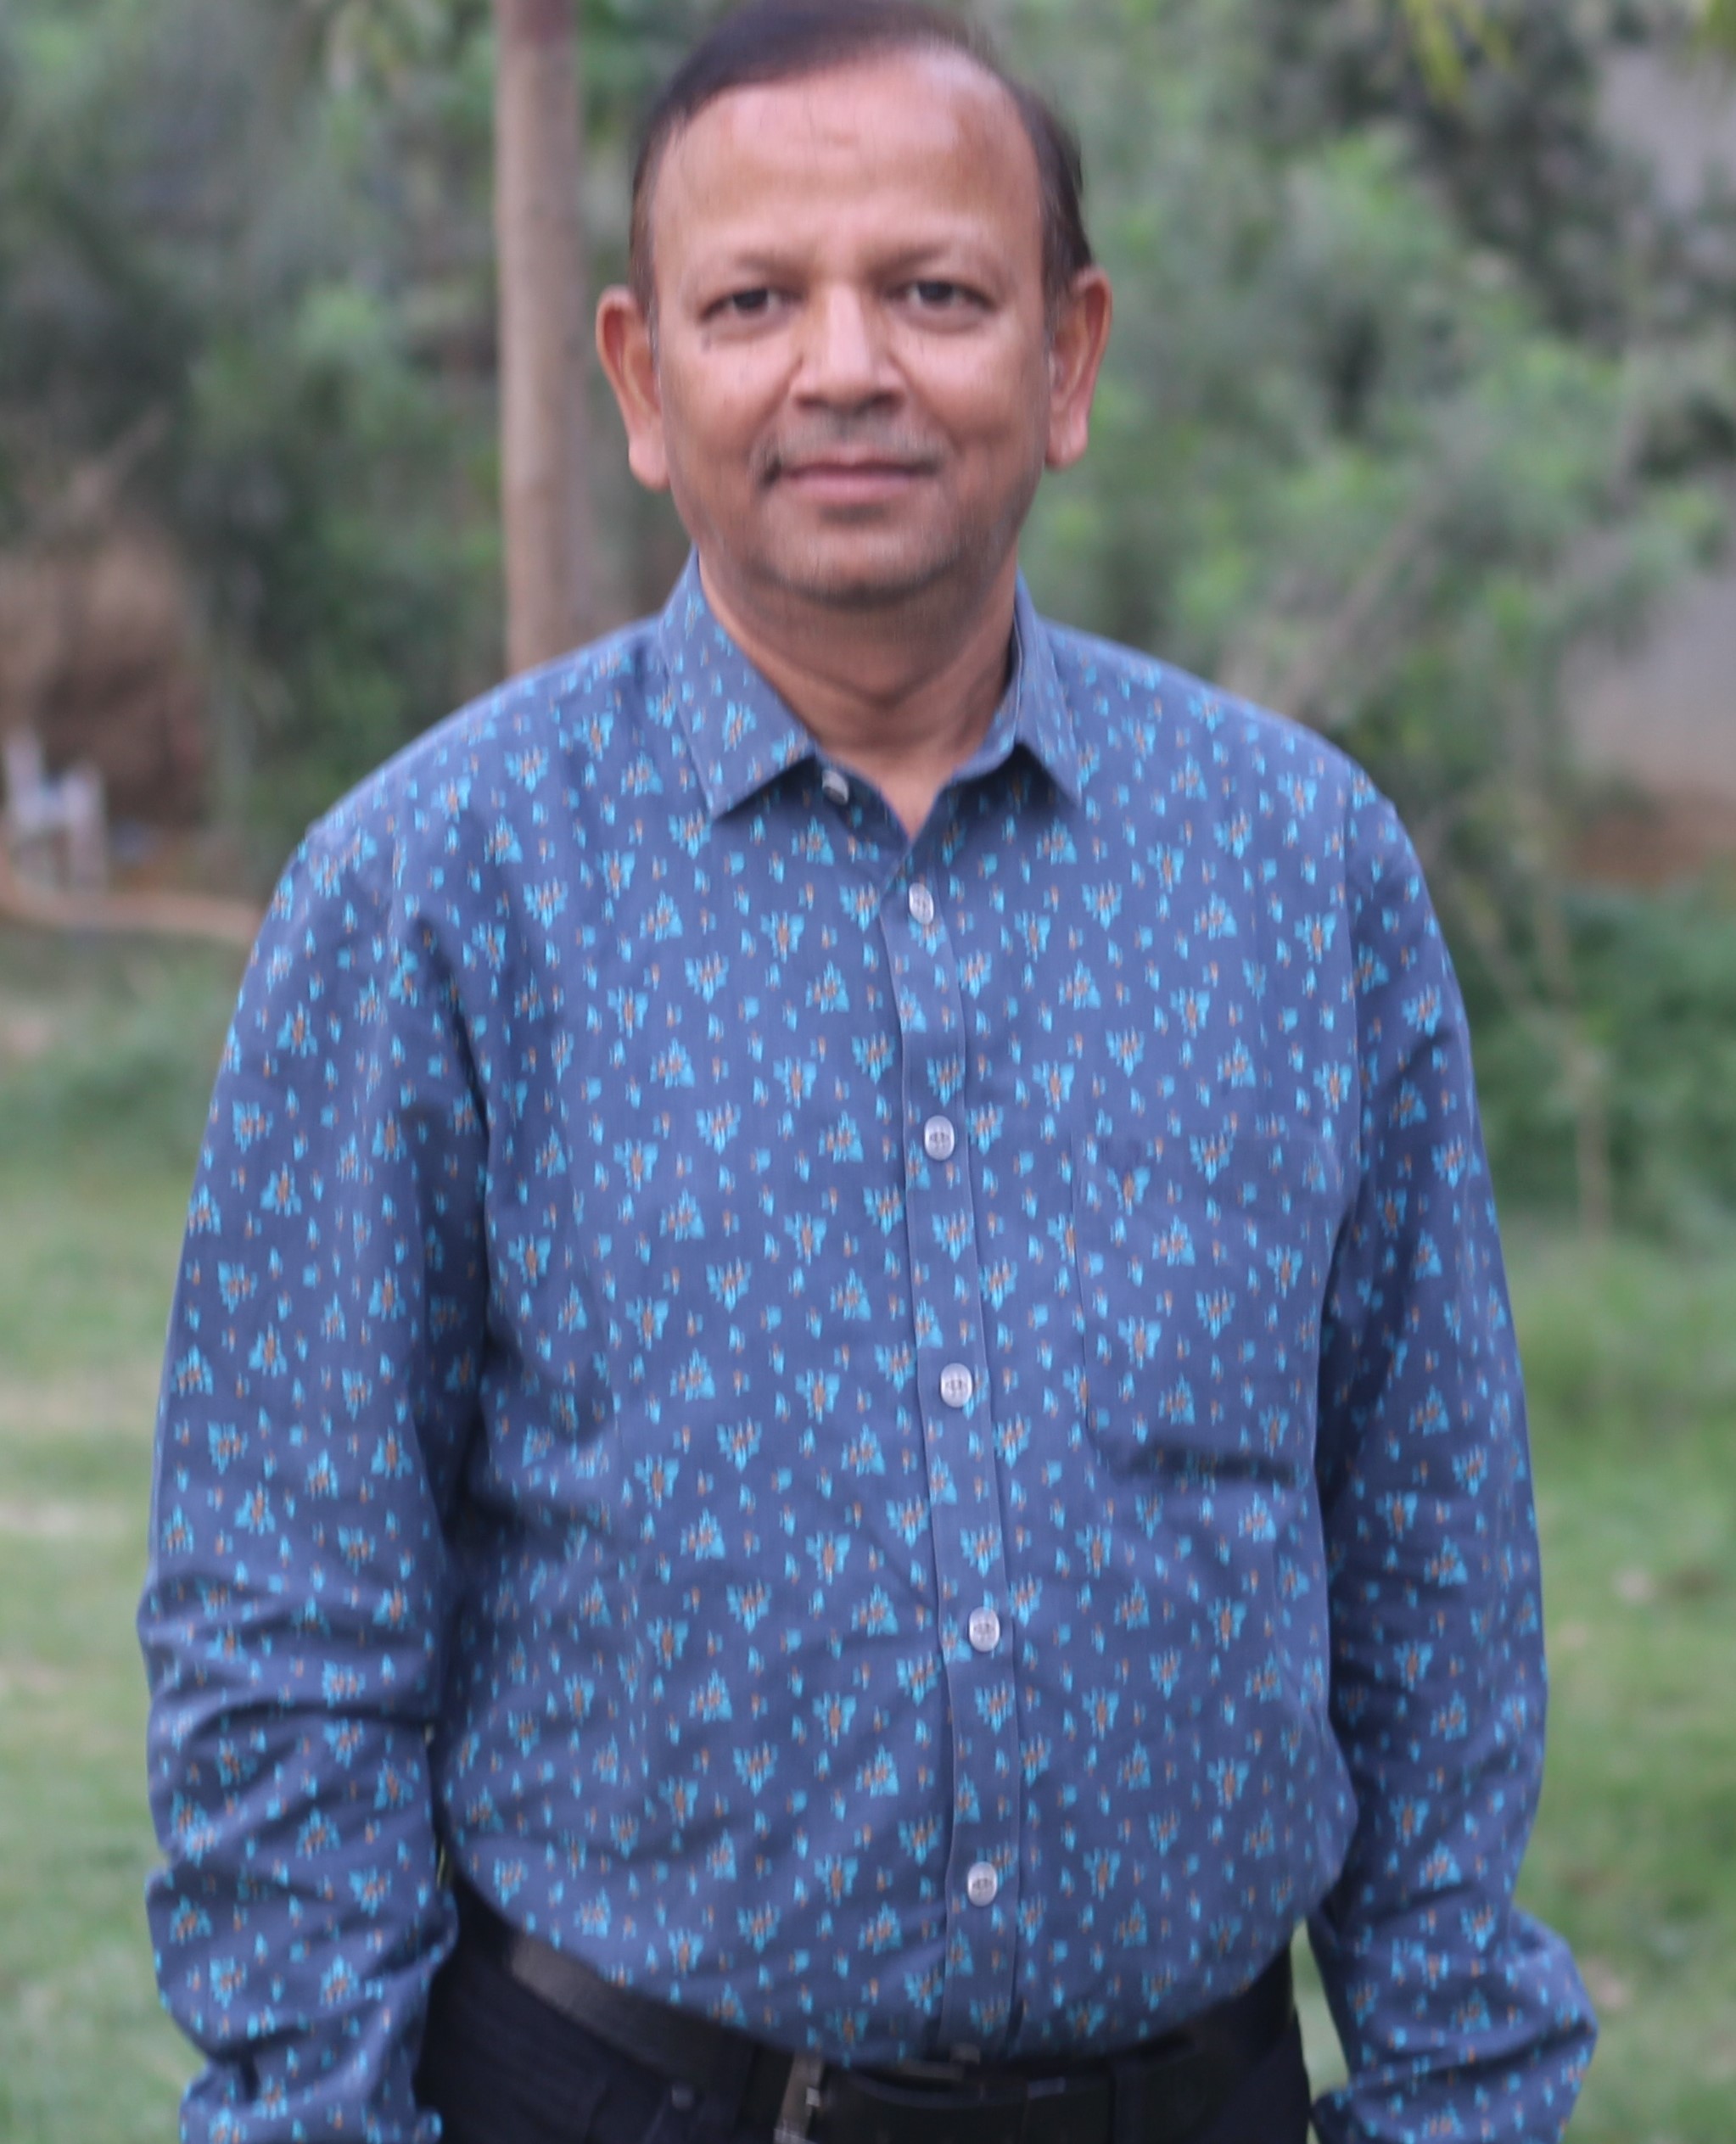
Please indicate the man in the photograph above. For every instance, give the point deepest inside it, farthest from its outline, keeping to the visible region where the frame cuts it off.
(842, 1328)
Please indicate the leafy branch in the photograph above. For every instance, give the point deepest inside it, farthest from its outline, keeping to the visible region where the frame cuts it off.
(1443, 30)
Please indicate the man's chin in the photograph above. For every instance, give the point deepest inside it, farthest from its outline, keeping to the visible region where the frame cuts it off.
(866, 577)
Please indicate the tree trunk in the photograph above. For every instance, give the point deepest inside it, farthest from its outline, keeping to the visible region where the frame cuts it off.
(544, 329)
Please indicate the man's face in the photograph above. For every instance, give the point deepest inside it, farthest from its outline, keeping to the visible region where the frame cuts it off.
(851, 390)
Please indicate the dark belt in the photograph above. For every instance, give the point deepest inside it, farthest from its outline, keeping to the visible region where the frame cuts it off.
(1157, 2093)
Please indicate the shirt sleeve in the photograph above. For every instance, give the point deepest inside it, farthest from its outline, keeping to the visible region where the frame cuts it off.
(1459, 2015)
(319, 1394)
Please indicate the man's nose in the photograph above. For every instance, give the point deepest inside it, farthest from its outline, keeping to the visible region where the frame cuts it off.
(844, 359)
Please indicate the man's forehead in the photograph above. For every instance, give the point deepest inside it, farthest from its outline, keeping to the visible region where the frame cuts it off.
(918, 115)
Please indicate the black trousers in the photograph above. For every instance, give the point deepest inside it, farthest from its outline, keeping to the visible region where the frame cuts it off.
(500, 2067)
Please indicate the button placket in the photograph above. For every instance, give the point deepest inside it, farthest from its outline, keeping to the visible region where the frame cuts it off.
(965, 1502)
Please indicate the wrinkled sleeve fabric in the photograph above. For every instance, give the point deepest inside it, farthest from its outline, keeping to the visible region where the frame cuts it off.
(1460, 2015)
(319, 1394)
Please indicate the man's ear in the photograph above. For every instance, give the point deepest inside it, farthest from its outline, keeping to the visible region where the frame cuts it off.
(628, 352)
(1075, 348)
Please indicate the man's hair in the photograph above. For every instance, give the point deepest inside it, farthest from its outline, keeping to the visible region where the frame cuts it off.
(774, 41)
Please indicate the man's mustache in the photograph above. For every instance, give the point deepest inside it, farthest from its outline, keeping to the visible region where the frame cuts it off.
(859, 446)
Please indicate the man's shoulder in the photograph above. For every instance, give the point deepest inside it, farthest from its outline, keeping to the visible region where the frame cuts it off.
(1126, 701)
(514, 740)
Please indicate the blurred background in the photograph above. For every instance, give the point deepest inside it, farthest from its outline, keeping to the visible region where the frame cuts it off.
(1419, 425)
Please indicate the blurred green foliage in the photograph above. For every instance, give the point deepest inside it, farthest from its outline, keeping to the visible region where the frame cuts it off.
(1657, 980)
(198, 224)
(108, 1050)
(1418, 392)
(1718, 26)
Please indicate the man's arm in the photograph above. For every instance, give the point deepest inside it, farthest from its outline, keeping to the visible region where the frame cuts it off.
(1460, 2015)
(319, 1391)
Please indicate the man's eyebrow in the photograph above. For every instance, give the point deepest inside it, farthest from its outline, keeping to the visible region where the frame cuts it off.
(728, 263)
(954, 250)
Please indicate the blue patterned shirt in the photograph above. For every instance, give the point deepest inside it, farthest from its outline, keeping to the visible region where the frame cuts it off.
(906, 1443)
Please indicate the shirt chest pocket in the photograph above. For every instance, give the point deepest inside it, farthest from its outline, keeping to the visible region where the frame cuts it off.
(1201, 1258)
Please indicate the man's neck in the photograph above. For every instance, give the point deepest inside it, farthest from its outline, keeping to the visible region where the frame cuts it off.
(902, 697)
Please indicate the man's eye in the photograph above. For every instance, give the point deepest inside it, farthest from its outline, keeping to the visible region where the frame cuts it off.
(745, 304)
(935, 294)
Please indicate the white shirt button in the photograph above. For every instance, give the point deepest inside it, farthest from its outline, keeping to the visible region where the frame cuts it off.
(939, 1140)
(981, 1883)
(983, 1629)
(922, 906)
(834, 786)
(956, 1385)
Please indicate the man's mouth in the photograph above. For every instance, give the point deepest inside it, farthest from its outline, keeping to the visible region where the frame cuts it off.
(850, 478)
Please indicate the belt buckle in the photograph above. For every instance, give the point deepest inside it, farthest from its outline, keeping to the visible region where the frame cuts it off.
(801, 2100)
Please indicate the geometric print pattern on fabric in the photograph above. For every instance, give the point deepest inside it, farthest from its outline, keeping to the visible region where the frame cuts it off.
(907, 1443)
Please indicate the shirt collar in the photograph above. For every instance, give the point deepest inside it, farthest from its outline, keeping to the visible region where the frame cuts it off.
(742, 734)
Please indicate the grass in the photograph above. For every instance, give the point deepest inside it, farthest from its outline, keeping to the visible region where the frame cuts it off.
(1630, 1355)
(104, 1056)
(1633, 1356)
(86, 1265)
